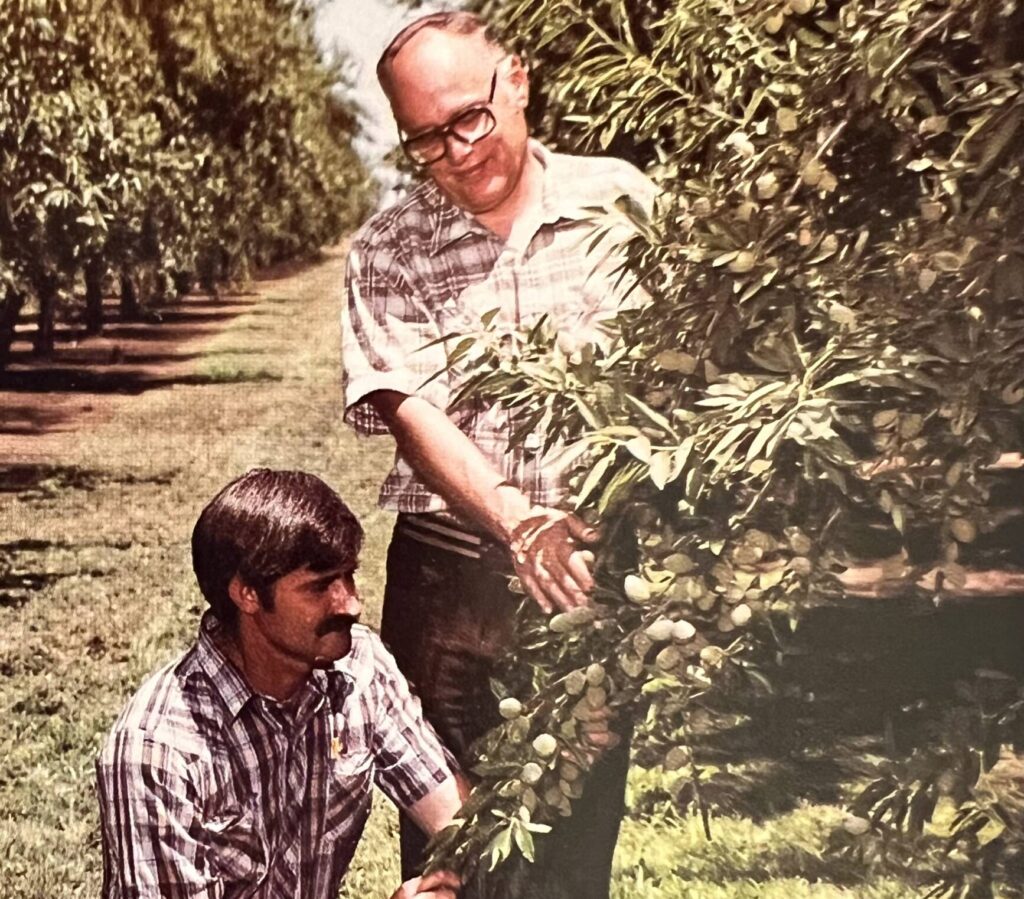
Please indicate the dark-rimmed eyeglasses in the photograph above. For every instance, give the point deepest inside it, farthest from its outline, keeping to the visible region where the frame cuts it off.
(469, 126)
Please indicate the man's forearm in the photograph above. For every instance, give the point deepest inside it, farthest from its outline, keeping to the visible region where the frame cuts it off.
(439, 807)
(546, 544)
(451, 464)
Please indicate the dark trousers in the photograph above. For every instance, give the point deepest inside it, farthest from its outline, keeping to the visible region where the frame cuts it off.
(446, 619)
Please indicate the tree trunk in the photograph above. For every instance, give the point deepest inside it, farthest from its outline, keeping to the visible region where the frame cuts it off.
(129, 298)
(46, 291)
(208, 266)
(94, 273)
(10, 309)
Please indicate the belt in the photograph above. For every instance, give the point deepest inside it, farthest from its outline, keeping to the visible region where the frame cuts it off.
(442, 533)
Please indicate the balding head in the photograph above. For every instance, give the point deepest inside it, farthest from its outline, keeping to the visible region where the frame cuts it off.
(455, 23)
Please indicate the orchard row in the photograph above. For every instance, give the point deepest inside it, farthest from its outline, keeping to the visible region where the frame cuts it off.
(151, 145)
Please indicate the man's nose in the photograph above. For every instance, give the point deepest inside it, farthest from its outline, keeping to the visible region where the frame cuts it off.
(345, 599)
(456, 148)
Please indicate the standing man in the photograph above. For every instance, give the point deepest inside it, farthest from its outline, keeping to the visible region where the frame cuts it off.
(499, 223)
(245, 767)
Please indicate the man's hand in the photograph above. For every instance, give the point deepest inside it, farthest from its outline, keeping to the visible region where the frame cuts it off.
(439, 885)
(545, 543)
(553, 567)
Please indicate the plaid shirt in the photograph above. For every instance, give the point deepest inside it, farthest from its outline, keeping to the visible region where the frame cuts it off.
(424, 268)
(210, 790)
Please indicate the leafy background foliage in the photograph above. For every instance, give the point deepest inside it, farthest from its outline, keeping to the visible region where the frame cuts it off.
(163, 142)
(813, 405)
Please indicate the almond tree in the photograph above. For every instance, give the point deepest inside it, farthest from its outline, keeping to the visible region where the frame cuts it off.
(834, 344)
(161, 141)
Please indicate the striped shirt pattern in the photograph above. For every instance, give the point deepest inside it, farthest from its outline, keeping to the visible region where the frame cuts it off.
(208, 789)
(424, 269)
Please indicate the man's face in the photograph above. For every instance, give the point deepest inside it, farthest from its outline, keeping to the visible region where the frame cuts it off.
(437, 76)
(312, 616)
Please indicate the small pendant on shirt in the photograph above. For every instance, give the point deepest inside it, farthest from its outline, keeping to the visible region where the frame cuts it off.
(337, 744)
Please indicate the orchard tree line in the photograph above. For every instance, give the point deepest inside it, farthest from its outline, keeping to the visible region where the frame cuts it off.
(831, 363)
(154, 144)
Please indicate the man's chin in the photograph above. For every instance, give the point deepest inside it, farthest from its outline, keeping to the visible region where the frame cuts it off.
(480, 199)
(335, 646)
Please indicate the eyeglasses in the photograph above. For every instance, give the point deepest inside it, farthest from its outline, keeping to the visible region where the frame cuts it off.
(469, 126)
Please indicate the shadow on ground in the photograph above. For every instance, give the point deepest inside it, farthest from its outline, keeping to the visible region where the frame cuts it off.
(43, 395)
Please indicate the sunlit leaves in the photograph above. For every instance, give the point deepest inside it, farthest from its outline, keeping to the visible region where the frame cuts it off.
(154, 134)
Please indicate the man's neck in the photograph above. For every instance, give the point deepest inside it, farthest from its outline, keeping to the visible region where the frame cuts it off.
(279, 681)
(527, 196)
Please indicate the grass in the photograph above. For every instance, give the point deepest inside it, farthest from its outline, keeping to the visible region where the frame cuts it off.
(105, 537)
(669, 857)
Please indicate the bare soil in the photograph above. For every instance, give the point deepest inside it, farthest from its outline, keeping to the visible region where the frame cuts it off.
(45, 403)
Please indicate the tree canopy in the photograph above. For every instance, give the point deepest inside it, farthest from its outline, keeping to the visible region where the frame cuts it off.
(831, 361)
(179, 137)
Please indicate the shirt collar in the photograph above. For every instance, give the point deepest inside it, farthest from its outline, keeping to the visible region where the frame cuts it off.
(232, 687)
(225, 679)
(451, 223)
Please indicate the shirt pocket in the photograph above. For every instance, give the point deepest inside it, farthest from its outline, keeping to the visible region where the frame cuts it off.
(351, 750)
(351, 773)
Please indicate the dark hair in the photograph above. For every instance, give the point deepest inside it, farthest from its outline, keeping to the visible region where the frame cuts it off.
(264, 525)
(454, 21)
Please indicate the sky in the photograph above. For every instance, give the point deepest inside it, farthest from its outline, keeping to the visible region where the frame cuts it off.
(361, 29)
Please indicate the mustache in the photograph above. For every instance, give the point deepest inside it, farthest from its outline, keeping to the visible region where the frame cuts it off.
(342, 623)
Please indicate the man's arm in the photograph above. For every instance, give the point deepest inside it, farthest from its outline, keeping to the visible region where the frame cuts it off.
(544, 542)
(387, 344)
(413, 769)
(438, 808)
(150, 823)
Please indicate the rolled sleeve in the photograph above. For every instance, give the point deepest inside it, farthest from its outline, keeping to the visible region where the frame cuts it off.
(386, 336)
(410, 759)
(150, 824)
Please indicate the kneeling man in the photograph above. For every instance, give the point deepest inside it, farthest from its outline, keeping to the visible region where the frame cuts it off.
(244, 768)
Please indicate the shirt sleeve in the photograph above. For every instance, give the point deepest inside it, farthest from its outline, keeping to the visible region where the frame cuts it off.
(410, 759)
(387, 332)
(610, 286)
(151, 826)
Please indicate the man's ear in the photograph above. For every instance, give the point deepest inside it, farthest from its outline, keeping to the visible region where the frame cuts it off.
(519, 78)
(243, 596)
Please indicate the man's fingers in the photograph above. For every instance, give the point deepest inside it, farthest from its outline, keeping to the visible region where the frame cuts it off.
(555, 594)
(578, 567)
(443, 883)
(552, 570)
(573, 578)
(407, 890)
(543, 585)
(581, 530)
(531, 586)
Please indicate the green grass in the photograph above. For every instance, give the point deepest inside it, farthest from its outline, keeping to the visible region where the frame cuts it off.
(668, 856)
(106, 532)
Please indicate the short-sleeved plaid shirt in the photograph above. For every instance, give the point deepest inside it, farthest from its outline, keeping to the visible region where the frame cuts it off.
(424, 268)
(209, 789)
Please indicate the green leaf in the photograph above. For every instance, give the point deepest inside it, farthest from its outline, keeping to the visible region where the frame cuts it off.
(500, 846)
(660, 469)
(594, 477)
(656, 417)
(524, 840)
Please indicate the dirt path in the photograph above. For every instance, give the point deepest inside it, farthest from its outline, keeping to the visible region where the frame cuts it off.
(45, 405)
